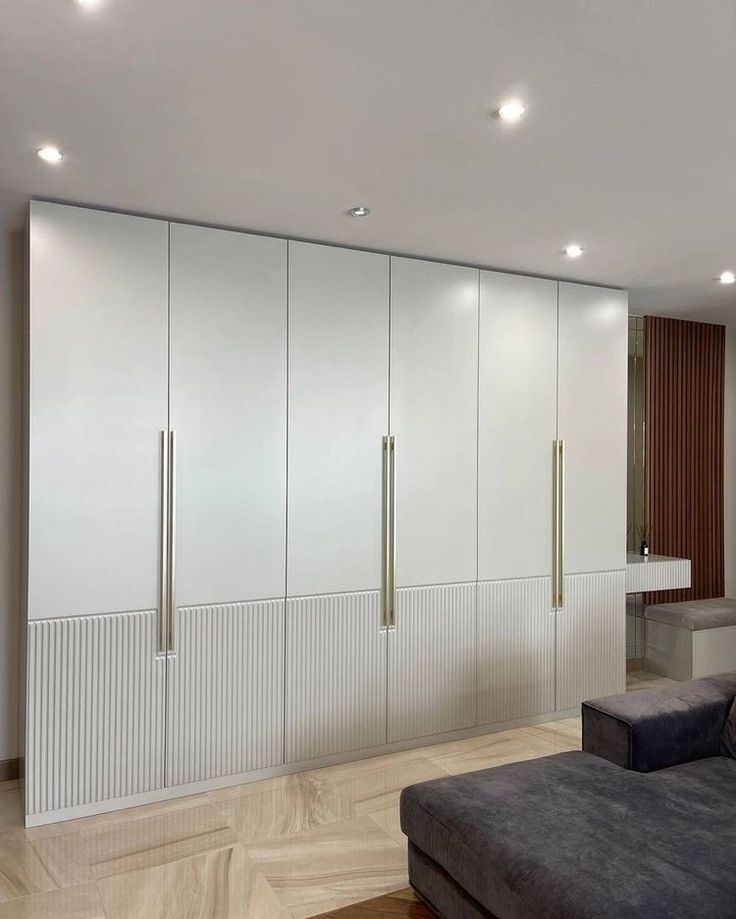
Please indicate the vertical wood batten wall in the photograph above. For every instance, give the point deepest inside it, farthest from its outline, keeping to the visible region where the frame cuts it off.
(684, 395)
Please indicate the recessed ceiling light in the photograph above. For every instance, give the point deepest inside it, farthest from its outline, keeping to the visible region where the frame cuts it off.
(728, 277)
(512, 110)
(573, 250)
(87, 2)
(50, 154)
(360, 211)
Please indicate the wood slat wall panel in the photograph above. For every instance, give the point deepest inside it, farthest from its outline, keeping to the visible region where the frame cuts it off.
(684, 393)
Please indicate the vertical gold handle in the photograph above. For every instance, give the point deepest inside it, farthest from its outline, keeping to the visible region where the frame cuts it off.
(560, 523)
(163, 598)
(389, 533)
(555, 522)
(171, 592)
(392, 532)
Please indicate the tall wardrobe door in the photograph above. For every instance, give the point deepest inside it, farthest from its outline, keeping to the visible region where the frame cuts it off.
(517, 411)
(98, 401)
(338, 415)
(228, 412)
(592, 424)
(517, 423)
(228, 415)
(434, 403)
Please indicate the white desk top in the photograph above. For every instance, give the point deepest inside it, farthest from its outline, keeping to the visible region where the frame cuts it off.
(633, 558)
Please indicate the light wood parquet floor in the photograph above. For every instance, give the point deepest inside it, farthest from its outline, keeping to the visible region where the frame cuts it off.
(289, 848)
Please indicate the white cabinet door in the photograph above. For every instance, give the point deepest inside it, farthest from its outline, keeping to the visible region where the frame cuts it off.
(228, 412)
(98, 400)
(591, 638)
(516, 425)
(434, 402)
(338, 414)
(593, 326)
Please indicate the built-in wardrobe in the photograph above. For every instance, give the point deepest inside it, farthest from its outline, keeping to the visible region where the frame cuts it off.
(290, 503)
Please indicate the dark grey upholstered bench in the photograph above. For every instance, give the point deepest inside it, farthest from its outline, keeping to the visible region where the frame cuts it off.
(642, 825)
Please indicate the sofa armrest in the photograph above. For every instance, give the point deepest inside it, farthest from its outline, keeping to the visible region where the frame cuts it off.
(652, 729)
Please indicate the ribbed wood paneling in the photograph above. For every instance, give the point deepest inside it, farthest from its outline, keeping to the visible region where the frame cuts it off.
(335, 674)
(95, 716)
(667, 574)
(432, 661)
(684, 397)
(591, 637)
(226, 691)
(516, 649)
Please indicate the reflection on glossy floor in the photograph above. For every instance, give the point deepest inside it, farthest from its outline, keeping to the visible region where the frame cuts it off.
(295, 846)
(640, 679)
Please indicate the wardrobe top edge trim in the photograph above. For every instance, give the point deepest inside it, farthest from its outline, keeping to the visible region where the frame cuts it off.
(322, 242)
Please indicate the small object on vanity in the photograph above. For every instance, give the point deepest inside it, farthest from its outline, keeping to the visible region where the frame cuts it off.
(644, 548)
(644, 537)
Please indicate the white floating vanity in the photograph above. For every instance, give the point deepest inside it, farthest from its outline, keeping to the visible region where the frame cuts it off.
(656, 572)
(686, 640)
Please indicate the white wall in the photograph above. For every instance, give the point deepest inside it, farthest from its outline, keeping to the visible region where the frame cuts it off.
(728, 318)
(729, 499)
(11, 318)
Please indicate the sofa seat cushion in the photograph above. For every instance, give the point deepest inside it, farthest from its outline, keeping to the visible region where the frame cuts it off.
(694, 615)
(728, 739)
(572, 835)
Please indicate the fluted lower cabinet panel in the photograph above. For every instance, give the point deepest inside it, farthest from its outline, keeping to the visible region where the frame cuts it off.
(226, 691)
(591, 637)
(335, 674)
(432, 661)
(95, 710)
(516, 649)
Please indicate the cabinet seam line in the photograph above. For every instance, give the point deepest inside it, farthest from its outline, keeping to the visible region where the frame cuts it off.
(286, 506)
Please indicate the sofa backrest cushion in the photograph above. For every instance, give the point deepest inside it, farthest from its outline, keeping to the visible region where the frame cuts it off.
(728, 740)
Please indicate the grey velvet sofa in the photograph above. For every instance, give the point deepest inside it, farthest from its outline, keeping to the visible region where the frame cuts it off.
(641, 823)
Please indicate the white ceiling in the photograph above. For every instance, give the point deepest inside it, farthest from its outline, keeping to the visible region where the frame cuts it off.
(278, 115)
